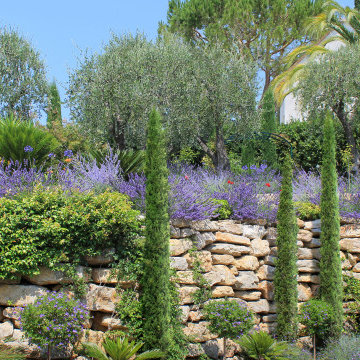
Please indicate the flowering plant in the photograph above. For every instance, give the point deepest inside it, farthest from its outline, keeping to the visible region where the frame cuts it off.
(54, 320)
(228, 318)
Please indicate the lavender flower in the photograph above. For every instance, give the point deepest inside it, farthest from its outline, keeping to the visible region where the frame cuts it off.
(28, 148)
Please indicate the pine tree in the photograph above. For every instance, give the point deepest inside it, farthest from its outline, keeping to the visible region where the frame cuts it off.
(54, 106)
(285, 280)
(155, 281)
(330, 263)
(269, 126)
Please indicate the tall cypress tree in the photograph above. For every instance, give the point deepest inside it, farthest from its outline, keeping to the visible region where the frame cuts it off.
(269, 125)
(357, 4)
(155, 281)
(285, 280)
(54, 106)
(330, 263)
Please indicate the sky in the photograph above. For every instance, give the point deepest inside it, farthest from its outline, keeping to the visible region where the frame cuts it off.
(60, 30)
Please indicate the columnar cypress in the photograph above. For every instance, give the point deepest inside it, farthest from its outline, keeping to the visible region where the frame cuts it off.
(357, 4)
(54, 106)
(155, 281)
(285, 280)
(330, 263)
(269, 126)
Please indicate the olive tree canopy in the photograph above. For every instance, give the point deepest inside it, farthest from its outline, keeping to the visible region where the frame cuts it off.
(23, 85)
(199, 92)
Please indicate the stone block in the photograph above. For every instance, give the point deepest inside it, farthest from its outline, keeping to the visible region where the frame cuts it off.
(308, 278)
(248, 295)
(260, 247)
(6, 329)
(229, 249)
(203, 257)
(304, 292)
(198, 332)
(247, 262)
(260, 307)
(185, 311)
(202, 239)
(185, 277)
(254, 231)
(267, 289)
(109, 276)
(12, 313)
(105, 322)
(222, 259)
(186, 232)
(220, 274)
(101, 298)
(103, 259)
(20, 295)
(232, 239)
(312, 224)
(178, 263)
(308, 254)
(179, 246)
(305, 236)
(351, 245)
(205, 225)
(230, 227)
(266, 272)
(194, 350)
(308, 266)
(350, 231)
(246, 280)
(222, 291)
(174, 232)
(186, 294)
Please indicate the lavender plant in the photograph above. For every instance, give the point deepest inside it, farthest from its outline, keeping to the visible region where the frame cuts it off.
(54, 321)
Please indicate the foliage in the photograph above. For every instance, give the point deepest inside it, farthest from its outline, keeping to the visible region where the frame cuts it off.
(54, 106)
(224, 211)
(199, 94)
(306, 140)
(228, 318)
(333, 84)
(285, 281)
(330, 263)
(155, 298)
(15, 135)
(352, 296)
(260, 345)
(47, 227)
(263, 31)
(23, 83)
(10, 353)
(307, 210)
(345, 348)
(55, 320)
(318, 318)
(120, 349)
(269, 126)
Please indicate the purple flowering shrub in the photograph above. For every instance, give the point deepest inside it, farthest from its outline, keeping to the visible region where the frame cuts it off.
(229, 319)
(55, 320)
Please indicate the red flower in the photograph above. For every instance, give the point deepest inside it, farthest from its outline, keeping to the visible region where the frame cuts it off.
(186, 177)
(230, 182)
(267, 184)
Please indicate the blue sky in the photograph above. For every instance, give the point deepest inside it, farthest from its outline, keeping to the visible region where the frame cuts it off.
(60, 29)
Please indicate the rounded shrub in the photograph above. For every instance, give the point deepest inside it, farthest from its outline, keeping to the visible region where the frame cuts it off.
(228, 318)
(307, 210)
(54, 320)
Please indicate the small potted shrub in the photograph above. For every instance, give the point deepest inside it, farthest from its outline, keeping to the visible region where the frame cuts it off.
(54, 321)
(229, 319)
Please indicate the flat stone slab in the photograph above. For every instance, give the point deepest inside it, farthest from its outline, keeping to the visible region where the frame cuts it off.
(20, 295)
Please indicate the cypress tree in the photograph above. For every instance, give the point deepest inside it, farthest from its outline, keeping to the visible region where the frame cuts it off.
(269, 125)
(357, 4)
(285, 281)
(330, 263)
(155, 281)
(54, 106)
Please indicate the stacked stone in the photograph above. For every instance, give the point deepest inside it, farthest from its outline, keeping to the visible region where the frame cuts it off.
(101, 299)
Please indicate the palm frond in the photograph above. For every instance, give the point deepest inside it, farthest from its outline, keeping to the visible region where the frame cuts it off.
(94, 351)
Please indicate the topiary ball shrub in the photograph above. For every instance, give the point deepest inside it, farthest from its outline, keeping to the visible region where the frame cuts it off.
(307, 210)
(54, 321)
(318, 317)
(228, 318)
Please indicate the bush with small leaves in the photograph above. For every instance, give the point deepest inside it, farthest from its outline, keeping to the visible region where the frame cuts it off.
(345, 348)
(54, 320)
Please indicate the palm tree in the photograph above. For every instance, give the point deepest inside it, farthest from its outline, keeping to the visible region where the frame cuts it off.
(343, 24)
(120, 349)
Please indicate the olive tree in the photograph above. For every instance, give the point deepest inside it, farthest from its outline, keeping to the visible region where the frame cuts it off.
(333, 83)
(199, 92)
(23, 85)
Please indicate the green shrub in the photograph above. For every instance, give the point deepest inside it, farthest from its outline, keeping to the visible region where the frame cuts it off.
(224, 211)
(260, 345)
(228, 318)
(54, 321)
(307, 210)
(352, 296)
(317, 316)
(48, 227)
(15, 135)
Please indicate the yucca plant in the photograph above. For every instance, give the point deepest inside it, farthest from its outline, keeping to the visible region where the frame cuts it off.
(261, 346)
(20, 140)
(120, 349)
(131, 161)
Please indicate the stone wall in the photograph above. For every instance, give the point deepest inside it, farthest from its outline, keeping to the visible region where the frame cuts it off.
(236, 259)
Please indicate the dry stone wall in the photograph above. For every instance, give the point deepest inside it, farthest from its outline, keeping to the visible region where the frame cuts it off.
(237, 261)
